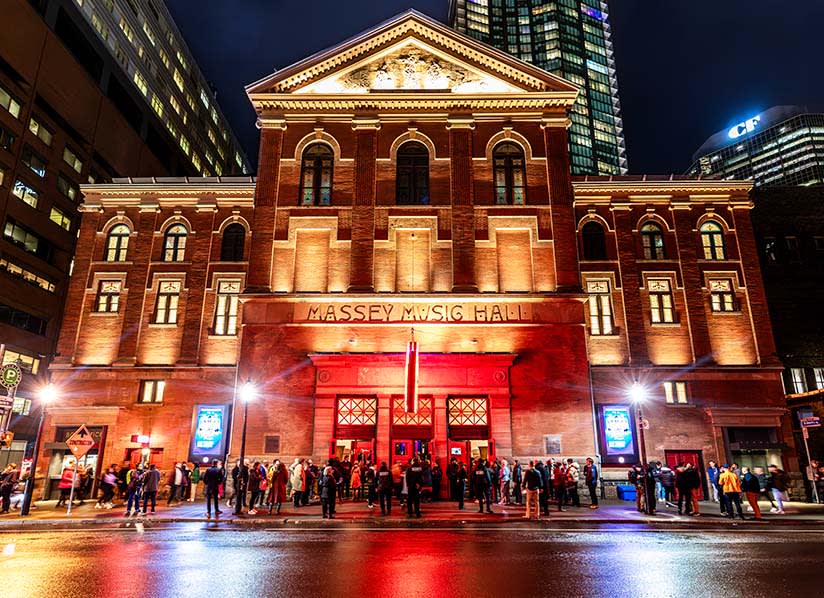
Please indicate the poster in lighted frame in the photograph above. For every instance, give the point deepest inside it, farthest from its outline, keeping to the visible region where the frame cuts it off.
(209, 428)
(617, 434)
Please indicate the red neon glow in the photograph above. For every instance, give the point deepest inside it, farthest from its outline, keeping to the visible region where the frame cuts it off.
(411, 390)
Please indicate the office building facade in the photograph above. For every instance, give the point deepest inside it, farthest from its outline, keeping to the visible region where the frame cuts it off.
(571, 39)
(72, 113)
(443, 210)
(780, 147)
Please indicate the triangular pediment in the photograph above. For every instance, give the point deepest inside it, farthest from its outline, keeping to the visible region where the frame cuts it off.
(412, 52)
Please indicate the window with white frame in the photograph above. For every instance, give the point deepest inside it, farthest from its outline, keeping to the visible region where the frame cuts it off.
(600, 308)
(798, 380)
(168, 297)
(9, 103)
(675, 393)
(225, 323)
(819, 377)
(722, 295)
(117, 243)
(108, 296)
(70, 158)
(151, 391)
(38, 129)
(662, 308)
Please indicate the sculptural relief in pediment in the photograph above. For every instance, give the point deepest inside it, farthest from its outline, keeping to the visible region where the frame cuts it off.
(410, 68)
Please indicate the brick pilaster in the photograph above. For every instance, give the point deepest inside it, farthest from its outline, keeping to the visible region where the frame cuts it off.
(203, 223)
(561, 198)
(141, 256)
(688, 254)
(363, 208)
(76, 291)
(755, 286)
(463, 206)
(631, 283)
(266, 199)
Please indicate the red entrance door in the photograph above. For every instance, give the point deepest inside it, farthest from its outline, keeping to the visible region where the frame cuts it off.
(675, 458)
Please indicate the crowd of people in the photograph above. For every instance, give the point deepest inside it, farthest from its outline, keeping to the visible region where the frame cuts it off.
(537, 485)
(729, 485)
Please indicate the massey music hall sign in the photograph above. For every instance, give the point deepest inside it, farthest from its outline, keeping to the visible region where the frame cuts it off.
(365, 312)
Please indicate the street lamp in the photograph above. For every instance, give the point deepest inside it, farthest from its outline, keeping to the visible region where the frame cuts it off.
(247, 393)
(46, 395)
(638, 394)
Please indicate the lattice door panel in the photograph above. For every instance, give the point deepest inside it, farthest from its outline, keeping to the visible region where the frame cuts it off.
(357, 411)
(468, 411)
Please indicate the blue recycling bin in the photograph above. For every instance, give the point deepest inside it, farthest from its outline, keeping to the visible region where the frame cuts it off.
(626, 492)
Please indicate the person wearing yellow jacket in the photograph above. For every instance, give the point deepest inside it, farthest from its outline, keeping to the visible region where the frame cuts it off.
(731, 485)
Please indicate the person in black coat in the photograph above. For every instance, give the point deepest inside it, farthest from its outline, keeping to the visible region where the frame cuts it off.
(328, 488)
(212, 480)
(517, 480)
(460, 484)
(385, 484)
(437, 476)
(543, 497)
(482, 482)
(452, 474)
(414, 484)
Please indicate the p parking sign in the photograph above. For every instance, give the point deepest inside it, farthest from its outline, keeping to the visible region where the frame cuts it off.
(11, 375)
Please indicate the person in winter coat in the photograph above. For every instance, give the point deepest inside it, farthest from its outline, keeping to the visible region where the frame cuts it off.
(712, 479)
(8, 480)
(667, 477)
(731, 485)
(370, 480)
(591, 479)
(517, 481)
(212, 479)
(278, 476)
(65, 485)
(386, 486)
(778, 483)
(482, 482)
(414, 485)
(752, 490)
(255, 479)
(437, 476)
(460, 484)
(328, 487)
(560, 484)
(505, 476)
(151, 484)
(452, 475)
(134, 490)
(573, 476)
(298, 479)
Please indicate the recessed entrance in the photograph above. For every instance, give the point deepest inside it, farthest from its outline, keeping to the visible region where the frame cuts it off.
(358, 451)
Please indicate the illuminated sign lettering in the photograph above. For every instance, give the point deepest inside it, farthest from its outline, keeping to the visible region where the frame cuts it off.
(414, 312)
(744, 128)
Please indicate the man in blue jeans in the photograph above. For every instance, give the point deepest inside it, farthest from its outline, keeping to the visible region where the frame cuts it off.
(151, 482)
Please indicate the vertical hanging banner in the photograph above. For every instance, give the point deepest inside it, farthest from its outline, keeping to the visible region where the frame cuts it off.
(412, 376)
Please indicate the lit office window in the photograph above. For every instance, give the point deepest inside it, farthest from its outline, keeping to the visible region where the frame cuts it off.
(151, 391)
(662, 309)
(798, 380)
(168, 298)
(60, 218)
(676, 393)
(174, 243)
(9, 103)
(28, 195)
(42, 133)
(722, 296)
(34, 162)
(141, 83)
(70, 158)
(108, 296)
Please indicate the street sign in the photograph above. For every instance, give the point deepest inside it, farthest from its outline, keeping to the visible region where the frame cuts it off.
(80, 442)
(811, 422)
(6, 402)
(11, 375)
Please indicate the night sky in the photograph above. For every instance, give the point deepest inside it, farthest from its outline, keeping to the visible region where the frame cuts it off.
(686, 69)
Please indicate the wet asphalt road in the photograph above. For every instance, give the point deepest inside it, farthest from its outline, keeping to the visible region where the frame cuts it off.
(190, 561)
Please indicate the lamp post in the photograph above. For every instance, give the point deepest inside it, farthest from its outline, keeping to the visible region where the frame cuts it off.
(47, 394)
(247, 395)
(638, 394)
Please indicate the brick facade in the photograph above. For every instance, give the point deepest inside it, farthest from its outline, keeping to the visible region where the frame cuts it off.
(496, 293)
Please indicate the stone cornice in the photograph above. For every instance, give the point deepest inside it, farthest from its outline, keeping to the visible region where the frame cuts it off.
(705, 190)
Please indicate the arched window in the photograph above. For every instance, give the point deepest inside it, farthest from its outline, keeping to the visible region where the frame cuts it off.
(117, 243)
(652, 240)
(316, 175)
(508, 170)
(413, 174)
(712, 239)
(231, 247)
(595, 243)
(174, 243)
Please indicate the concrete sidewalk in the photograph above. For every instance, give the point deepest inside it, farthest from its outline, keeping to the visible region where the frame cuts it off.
(444, 513)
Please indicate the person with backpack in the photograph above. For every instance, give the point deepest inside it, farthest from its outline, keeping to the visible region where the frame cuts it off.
(573, 475)
(752, 490)
(134, 491)
(151, 485)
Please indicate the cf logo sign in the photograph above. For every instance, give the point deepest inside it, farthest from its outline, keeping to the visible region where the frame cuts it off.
(741, 129)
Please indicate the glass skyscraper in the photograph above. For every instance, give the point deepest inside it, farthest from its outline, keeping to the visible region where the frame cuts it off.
(568, 38)
(782, 146)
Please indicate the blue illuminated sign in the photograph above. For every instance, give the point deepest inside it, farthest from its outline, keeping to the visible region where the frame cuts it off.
(595, 14)
(618, 430)
(208, 433)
